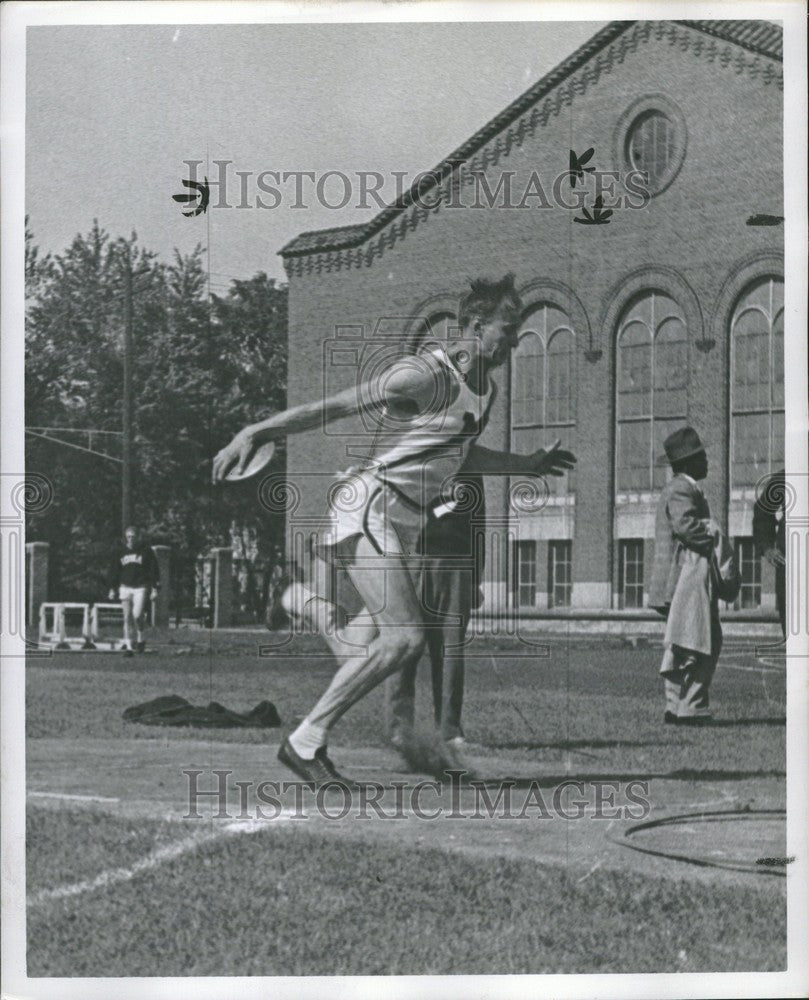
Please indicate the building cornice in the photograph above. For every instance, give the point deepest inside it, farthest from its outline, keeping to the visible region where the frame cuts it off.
(357, 246)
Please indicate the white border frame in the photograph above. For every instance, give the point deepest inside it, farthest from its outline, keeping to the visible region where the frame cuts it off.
(14, 18)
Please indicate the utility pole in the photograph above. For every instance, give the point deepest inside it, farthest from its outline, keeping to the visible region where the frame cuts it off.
(126, 479)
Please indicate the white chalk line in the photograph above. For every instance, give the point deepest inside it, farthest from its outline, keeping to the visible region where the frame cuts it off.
(595, 868)
(71, 797)
(672, 807)
(169, 852)
(751, 670)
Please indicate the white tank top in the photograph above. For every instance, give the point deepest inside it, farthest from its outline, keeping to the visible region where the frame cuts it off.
(420, 460)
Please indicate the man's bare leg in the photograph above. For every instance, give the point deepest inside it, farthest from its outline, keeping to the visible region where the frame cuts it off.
(399, 639)
(129, 622)
(138, 615)
(345, 637)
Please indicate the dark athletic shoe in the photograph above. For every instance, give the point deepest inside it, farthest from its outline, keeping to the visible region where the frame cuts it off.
(328, 763)
(140, 647)
(695, 720)
(318, 771)
(670, 718)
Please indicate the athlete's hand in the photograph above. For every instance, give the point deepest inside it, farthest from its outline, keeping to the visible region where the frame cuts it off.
(234, 455)
(153, 594)
(113, 594)
(554, 461)
(775, 558)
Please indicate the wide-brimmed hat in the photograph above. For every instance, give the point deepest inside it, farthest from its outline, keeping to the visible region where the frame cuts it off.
(682, 443)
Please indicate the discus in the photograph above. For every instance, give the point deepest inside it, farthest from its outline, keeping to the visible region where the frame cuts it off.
(258, 461)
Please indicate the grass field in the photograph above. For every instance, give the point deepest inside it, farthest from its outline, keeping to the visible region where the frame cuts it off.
(119, 884)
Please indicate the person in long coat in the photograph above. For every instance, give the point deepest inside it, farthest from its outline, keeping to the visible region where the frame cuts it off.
(683, 586)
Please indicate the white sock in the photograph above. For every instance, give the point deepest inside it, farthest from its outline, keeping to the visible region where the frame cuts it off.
(307, 739)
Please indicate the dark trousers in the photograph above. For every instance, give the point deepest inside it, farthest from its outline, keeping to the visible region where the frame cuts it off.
(687, 675)
(449, 590)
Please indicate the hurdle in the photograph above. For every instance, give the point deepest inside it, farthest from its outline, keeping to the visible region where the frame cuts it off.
(106, 618)
(56, 618)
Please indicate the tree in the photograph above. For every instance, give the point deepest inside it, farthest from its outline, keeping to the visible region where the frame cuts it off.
(252, 321)
(73, 378)
(37, 269)
(201, 371)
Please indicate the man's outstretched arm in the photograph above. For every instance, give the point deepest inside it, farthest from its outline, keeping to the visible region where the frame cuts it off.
(553, 461)
(401, 385)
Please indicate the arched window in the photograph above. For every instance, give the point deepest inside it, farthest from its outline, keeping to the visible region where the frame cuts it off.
(651, 389)
(543, 379)
(528, 380)
(757, 382)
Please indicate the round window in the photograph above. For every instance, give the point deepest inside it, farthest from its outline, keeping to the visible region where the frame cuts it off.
(651, 137)
(650, 146)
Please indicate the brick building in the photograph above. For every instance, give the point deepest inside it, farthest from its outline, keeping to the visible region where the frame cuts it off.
(672, 312)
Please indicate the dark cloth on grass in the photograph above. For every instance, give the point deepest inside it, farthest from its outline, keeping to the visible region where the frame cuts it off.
(172, 710)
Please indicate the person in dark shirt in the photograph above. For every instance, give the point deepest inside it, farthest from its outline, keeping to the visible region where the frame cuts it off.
(134, 576)
(768, 535)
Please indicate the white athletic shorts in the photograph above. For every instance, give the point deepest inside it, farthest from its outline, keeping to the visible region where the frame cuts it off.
(137, 595)
(362, 505)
